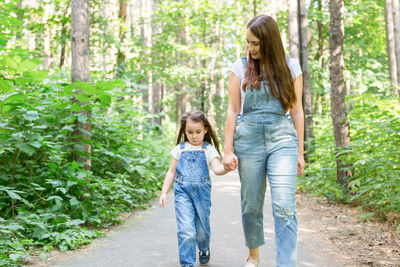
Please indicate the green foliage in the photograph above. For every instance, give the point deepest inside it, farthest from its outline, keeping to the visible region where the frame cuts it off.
(375, 142)
(48, 200)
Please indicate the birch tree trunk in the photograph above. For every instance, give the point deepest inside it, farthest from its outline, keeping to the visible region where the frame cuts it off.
(80, 71)
(146, 32)
(391, 46)
(339, 117)
(64, 36)
(396, 27)
(293, 29)
(47, 36)
(307, 91)
(122, 15)
(320, 102)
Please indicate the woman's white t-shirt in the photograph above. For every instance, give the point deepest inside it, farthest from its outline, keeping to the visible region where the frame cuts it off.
(239, 71)
(210, 151)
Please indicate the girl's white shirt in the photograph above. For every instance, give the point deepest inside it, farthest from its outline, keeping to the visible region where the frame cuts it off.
(210, 151)
(238, 70)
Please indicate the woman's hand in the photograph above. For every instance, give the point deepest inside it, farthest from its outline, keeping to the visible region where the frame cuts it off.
(300, 165)
(230, 161)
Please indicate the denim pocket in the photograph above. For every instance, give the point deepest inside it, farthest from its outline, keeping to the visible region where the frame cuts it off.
(237, 128)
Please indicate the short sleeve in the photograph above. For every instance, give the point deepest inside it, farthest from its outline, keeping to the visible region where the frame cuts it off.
(237, 69)
(294, 67)
(176, 152)
(211, 153)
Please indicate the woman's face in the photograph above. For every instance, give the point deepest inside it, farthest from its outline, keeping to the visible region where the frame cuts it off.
(253, 44)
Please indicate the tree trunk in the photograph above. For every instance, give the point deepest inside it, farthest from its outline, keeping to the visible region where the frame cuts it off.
(321, 98)
(122, 32)
(293, 29)
(80, 71)
(63, 36)
(145, 33)
(396, 26)
(307, 92)
(339, 117)
(47, 36)
(104, 39)
(391, 46)
(32, 35)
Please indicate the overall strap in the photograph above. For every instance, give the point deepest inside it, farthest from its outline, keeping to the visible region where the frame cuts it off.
(244, 62)
(205, 144)
(182, 146)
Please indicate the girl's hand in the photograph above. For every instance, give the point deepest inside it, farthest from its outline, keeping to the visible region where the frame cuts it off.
(163, 200)
(230, 161)
(300, 165)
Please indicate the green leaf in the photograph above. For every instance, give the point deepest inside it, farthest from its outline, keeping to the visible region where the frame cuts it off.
(26, 65)
(35, 144)
(82, 118)
(17, 59)
(74, 222)
(5, 86)
(15, 256)
(76, 107)
(26, 149)
(82, 97)
(16, 98)
(31, 115)
(10, 62)
(54, 197)
(69, 90)
(13, 195)
(105, 99)
(86, 87)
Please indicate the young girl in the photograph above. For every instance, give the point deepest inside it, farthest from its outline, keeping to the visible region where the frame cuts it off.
(189, 165)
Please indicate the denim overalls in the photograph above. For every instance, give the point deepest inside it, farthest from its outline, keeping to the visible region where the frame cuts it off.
(265, 143)
(192, 191)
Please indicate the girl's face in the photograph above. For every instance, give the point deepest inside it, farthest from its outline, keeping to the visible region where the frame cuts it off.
(253, 44)
(195, 132)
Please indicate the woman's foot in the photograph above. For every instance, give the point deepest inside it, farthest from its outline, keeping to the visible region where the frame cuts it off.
(251, 263)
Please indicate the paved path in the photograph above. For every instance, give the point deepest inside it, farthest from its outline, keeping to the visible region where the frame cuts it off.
(148, 238)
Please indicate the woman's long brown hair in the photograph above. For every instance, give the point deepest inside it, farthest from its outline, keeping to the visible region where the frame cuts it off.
(197, 116)
(273, 58)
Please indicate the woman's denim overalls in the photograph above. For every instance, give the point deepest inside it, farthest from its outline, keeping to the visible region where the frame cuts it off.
(266, 144)
(192, 191)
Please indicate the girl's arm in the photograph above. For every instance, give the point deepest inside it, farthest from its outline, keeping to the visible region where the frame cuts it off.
(230, 160)
(297, 115)
(169, 179)
(217, 167)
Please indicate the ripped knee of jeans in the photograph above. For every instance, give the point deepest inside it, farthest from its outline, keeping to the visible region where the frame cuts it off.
(283, 213)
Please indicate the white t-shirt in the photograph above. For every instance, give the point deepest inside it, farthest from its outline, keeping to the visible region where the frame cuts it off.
(239, 71)
(210, 151)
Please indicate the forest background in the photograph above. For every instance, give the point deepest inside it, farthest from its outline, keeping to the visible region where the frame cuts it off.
(76, 153)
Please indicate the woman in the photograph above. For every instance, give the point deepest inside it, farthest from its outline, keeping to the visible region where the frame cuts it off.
(262, 88)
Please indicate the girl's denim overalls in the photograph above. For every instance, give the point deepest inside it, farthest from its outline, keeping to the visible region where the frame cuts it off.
(192, 191)
(265, 143)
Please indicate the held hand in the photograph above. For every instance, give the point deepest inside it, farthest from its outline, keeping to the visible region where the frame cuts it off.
(230, 161)
(163, 200)
(300, 165)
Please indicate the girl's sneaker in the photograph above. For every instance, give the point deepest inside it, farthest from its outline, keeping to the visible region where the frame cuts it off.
(204, 257)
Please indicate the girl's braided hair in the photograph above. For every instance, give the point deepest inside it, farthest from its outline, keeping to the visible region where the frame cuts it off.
(197, 116)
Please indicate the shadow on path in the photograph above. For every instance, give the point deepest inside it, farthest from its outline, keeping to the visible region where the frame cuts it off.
(148, 238)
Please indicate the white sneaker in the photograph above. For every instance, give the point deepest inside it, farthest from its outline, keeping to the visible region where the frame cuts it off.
(251, 263)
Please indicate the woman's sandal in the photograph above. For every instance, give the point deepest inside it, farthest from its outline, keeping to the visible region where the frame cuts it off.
(251, 263)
